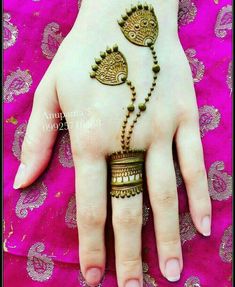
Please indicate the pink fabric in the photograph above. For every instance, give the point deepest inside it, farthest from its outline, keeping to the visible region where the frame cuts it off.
(40, 235)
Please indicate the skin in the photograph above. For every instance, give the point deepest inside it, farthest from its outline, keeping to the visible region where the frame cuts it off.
(171, 116)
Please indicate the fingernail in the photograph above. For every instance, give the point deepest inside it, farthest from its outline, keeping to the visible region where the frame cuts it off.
(172, 271)
(19, 176)
(132, 283)
(93, 276)
(206, 226)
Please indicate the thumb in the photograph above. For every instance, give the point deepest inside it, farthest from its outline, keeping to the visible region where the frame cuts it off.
(40, 136)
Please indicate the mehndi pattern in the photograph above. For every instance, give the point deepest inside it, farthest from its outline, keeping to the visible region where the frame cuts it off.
(140, 26)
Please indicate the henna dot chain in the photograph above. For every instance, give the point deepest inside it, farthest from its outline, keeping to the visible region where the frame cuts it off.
(140, 26)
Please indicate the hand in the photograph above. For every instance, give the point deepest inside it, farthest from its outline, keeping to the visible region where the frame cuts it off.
(94, 114)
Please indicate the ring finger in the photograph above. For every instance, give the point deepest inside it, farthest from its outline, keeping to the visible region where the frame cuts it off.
(164, 202)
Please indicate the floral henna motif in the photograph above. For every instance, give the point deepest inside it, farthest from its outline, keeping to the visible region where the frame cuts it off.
(111, 69)
(139, 25)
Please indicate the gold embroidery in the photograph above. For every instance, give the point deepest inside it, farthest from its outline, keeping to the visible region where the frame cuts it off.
(209, 119)
(192, 282)
(226, 246)
(187, 228)
(65, 154)
(229, 77)
(58, 194)
(139, 25)
(70, 216)
(187, 12)
(220, 183)
(111, 69)
(31, 198)
(83, 283)
(39, 266)
(17, 83)
(145, 214)
(197, 67)
(224, 21)
(12, 120)
(148, 280)
(10, 32)
(179, 178)
(52, 38)
(18, 140)
(5, 242)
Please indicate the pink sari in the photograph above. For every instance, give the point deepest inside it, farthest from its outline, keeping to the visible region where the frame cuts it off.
(40, 233)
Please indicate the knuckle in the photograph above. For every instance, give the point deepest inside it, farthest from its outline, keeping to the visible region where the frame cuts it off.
(194, 173)
(173, 240)
(91, 254)
(127, 217)
(29, 145)
(202, 202)
(188, 114)
(33, 145)
(167, 198)
(131, 264)
(88, 216)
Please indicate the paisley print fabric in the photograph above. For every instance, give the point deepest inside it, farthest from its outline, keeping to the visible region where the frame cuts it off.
(40, 232)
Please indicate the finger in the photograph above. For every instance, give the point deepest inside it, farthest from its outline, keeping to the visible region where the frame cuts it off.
(127, 223)
(190, 154)
(39, 140)
(164, 201)
(91, 180)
